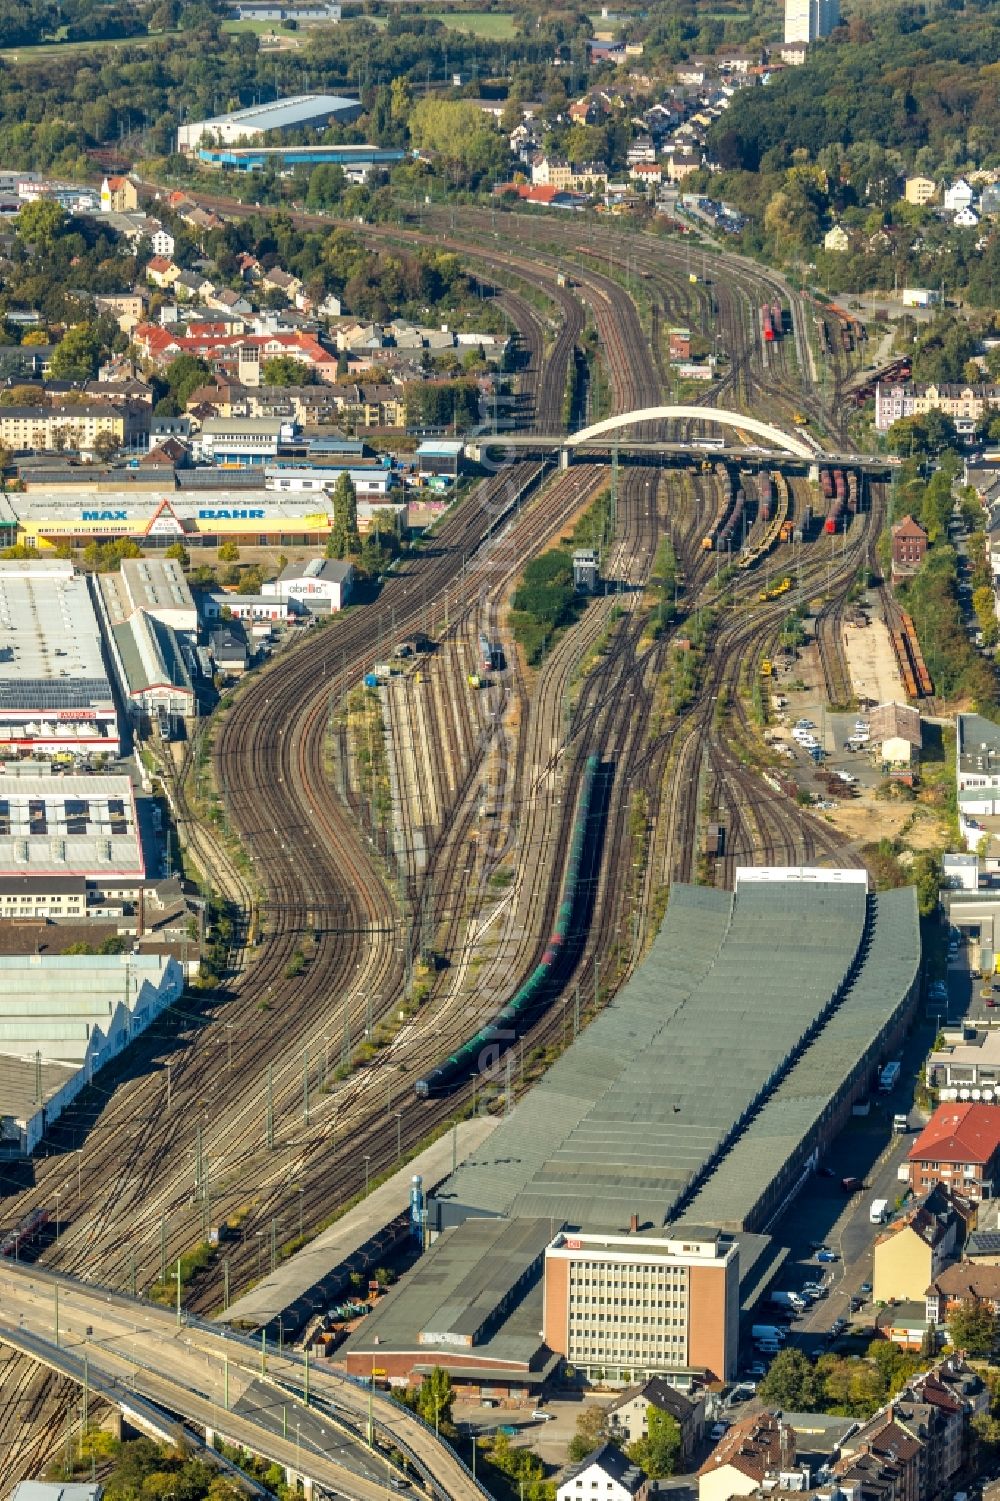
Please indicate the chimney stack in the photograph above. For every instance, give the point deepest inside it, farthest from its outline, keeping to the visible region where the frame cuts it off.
(633, 1225)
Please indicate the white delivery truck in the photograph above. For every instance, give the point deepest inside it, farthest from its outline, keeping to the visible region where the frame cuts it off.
(879, 1211)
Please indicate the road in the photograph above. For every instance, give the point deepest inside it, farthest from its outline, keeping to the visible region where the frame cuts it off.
(822, 1214)
(216, 1382)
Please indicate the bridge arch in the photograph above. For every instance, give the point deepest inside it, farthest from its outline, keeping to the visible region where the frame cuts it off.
(720, 415)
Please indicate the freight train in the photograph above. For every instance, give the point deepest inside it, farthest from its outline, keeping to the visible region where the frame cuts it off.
(839, 500)
(772, 321)
(483, 1051)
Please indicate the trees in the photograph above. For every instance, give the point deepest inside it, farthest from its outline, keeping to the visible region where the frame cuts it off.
(657, 1453)
(345, 539)
(790, 1382)
(179, 553)
(41, 222)
(973, 1327)
(591, 1431)
(229, 552)
(285, 370)
(435, 1398)
(184, 375)
(106, 444)
(75, 356)
(927, 434)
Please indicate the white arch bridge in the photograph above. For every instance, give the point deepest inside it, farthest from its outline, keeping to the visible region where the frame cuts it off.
(781, 444)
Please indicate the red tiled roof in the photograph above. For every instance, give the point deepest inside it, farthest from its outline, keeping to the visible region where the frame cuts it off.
(752, 1446)
(909, 528)
(959, 1133)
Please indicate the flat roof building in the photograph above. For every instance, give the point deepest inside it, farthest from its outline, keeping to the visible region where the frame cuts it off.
(71, 1014)
(320, 585)
(55, 696)
(687, 1284)
(158, 586)
(76, 825)
(299, 111)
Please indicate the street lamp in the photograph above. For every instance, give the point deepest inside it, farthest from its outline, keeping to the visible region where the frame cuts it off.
(368, 1158)
(399, 1135)
(260, 1247)
(301, 1193)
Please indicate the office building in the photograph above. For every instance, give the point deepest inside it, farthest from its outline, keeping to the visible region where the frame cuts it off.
(643, 1304)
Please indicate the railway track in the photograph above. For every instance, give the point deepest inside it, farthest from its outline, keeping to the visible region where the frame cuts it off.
(334, 910)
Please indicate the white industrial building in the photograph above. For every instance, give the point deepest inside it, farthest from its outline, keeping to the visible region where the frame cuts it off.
(158, 586)
(321, 585)
(295, 113)
(55, 827)
(55, 697)
(146, 653)
(62, 1017)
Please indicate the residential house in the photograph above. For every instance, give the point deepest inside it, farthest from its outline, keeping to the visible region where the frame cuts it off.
(959, 1147)
(647, 174)
(162, 271)
(893, 1450)
(551, 172)
(162, 242)
(919, 190)
(989, 199)
(190, 286)
(681, 164)
(628, 1416)
(277, 280)
(958, 196)
(754, 1447)
(909, 544)
(642, 149)
(118, 196)
(837, 239)
(911, 1252)
(228, 647)
(895, 734)
(606, 1473)
(228, 301)
(966, 218)
(964, 1282)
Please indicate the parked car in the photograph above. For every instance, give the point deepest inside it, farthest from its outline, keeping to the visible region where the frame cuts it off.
(717, 1431)
(825, 1254)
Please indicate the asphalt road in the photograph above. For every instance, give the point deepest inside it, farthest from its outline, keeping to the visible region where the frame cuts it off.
(867, 1149)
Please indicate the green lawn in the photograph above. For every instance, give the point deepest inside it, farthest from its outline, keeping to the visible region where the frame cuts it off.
(44, 50)
(487, 23)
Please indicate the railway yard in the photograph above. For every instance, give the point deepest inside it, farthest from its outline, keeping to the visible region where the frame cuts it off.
(393, 858)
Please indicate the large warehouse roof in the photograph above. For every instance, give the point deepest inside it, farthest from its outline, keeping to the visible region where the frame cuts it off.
(73, 825)
(838, 1052)
(282, 114)
(50, 645)
(634, 1113)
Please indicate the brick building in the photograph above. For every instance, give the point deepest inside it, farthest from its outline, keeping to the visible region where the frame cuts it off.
(909, 544)
(959, 1147)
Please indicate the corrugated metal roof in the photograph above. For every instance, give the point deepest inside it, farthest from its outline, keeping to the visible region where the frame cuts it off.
(631, 1115)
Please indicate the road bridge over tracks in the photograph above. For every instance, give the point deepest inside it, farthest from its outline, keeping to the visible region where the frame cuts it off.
(325, 1429)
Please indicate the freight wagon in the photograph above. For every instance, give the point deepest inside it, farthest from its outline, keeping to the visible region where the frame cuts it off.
(485, 654)
(483, 1052)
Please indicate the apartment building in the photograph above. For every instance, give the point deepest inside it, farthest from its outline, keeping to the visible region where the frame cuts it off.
(959, 1148)
(964, 404)
(76, 427)
(807, 20)
(642, 1304)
